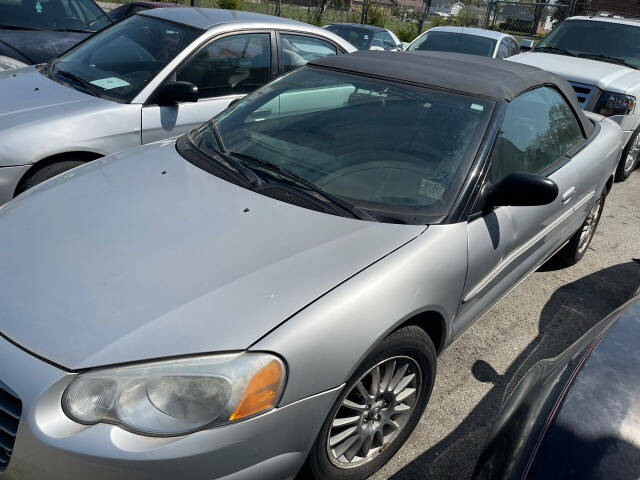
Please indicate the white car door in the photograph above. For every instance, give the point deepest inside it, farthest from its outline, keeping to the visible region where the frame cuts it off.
(225, 69)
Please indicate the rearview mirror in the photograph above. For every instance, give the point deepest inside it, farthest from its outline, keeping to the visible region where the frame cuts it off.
(177, 92)
(526, 44)
(522, 189)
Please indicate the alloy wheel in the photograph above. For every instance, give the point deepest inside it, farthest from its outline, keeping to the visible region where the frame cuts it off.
(589, 226)
(374, 412)
(632, 155)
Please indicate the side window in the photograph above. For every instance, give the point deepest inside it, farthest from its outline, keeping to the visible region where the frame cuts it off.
(230, 65)
(503, 49)
(297, 50)
(384, 40)
(538, 129)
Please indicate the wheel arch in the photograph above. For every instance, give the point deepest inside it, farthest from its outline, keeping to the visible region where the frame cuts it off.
(433, 324)
(82, 155)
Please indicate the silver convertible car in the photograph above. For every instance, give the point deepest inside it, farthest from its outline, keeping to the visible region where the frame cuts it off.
(270, 291)
(152, 76)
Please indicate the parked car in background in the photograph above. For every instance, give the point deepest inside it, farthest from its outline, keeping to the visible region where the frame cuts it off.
(131, 8)
(473, 41)
(600, 58)
(366, 37)
(35, 31)
(155, 75)
(574, 416)
(251, 296)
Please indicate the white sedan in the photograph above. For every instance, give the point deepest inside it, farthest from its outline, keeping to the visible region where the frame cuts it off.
(473, 41)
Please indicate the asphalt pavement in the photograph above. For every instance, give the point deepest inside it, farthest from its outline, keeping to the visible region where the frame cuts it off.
(539, 319)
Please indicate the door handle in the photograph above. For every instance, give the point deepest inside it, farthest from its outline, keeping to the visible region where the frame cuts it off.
(568, 195)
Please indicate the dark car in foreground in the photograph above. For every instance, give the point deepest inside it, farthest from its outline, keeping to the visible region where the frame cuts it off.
(36, 31)
(575, 416)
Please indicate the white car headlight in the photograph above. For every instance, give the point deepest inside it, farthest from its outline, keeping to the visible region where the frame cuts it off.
(176, 397)
(8, 63)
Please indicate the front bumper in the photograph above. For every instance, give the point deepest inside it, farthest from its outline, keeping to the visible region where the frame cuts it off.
(9, 178)
(49, 445)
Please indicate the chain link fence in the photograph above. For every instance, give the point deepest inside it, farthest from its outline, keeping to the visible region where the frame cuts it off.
(406, 18)
(531, 19)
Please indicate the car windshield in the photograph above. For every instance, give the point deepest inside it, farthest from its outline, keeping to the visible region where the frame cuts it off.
(455, 42)
(356, 36)
(397, 152)
(81, 15)
(120, 61)
(598, 40)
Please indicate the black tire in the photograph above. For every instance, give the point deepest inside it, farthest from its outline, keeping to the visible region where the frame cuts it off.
(46, 172)
(410, 341)
(631, 150)
(573, 251)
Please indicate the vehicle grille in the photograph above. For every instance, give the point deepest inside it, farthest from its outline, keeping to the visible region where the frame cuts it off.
(583, 92)
(10, 411)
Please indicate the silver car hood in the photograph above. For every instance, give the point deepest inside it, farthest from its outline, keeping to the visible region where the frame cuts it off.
(26, 96)
(143, 255)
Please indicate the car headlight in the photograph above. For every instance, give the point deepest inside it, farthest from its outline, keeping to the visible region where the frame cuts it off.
(614, 104)
(8, 63)
(176, 397)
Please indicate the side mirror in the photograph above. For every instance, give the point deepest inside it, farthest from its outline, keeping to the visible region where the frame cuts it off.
(526, 45)
(522, 189)
(375, 47)
(177, 92)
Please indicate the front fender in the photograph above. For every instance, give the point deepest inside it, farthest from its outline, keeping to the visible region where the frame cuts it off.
(325, 342)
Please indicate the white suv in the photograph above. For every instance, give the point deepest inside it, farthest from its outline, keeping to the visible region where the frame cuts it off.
(600, 57)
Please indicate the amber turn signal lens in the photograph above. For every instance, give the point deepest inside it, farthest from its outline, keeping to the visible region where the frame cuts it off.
(262, 391)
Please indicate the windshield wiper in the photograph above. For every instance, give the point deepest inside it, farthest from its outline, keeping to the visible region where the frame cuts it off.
(77, 30)
(563, 51)
(17, 27)
(81, 81)
(336, 200)
(605, 58)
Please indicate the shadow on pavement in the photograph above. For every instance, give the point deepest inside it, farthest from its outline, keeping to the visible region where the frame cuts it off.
(571, 311)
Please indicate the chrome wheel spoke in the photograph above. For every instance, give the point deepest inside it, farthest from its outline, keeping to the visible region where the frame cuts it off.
(343, 422)
(398, 376)
(354, 406)
(342, 436)
(406, 393)
(375, 382)
(403, 383)
(345, 445)
(366, 446)
(363, 391)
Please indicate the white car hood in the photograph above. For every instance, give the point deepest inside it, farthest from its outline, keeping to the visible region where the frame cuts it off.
(606, 76)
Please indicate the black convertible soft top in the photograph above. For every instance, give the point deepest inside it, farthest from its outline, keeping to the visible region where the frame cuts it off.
(469, 74)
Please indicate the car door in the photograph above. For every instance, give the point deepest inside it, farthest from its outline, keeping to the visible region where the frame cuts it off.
(296, 49)
(508, 242)
(225, 69)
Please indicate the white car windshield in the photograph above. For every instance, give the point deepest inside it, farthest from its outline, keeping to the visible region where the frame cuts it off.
(120, 61)
(394, 150)
(606, 41)
(455, 42)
